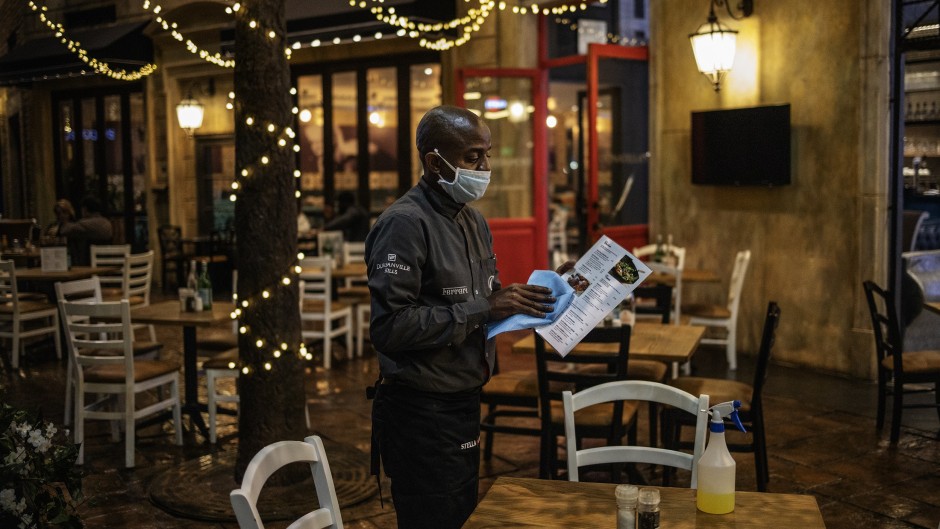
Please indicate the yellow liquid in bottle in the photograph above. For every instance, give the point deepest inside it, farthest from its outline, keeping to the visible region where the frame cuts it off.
(714, 503)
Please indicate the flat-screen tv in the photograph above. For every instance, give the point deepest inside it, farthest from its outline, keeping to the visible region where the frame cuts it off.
(741, 146)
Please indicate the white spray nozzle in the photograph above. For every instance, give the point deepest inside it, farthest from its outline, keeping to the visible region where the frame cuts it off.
(727, 409)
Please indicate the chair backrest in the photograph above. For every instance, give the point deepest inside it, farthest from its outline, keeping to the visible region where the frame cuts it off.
(332, 239)
(354, 252)
(556, 373)
(741, 261)
(676, 251)
(270, 459)
(661, 296)
(768, 336)
(110, 255)
(884, 323)
(635, 390)
(138, 275)
(79, 290)
(99, 334)
(316, 283)
(8, 291)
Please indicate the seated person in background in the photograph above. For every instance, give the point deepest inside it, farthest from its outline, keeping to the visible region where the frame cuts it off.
(93, 228)
(64, 214)
(352, 218)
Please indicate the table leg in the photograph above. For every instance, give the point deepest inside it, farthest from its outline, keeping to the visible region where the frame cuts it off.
(191, 404)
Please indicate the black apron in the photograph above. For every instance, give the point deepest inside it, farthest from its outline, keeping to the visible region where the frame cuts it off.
(429, 446)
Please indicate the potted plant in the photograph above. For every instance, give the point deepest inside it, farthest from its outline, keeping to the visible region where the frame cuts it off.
(40, 485)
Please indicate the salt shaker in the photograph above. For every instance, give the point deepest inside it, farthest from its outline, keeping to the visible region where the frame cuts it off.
(648, 508)
(626, 506)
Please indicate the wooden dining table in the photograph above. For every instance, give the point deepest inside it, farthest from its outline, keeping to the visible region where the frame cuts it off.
(932, 306)
(169, 313)
(648, 341)
(38, 275)
(526, 502)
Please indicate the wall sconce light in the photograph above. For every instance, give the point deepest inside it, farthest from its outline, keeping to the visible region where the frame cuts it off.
(714, 43)
(189, 111)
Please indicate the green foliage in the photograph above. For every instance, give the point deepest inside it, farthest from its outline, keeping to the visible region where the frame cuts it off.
(40, 485)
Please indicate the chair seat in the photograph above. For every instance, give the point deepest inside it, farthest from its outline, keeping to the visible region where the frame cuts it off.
(513, 384)
(222, 361)
(916, 362)
(26, 307)
(216, 340)
(718, 389)
(706, 311)
(32, 296)
(141, 348)
(116, 294)
(315, 305)
(143, 370)
(597, 416)
(650, 370)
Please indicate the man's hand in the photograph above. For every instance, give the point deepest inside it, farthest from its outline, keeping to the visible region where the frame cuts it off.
(520, 299)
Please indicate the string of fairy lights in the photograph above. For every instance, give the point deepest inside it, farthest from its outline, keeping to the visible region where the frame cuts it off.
(75, 47)
(430, 36)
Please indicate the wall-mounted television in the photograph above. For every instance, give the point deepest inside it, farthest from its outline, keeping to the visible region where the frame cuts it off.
(741, 146)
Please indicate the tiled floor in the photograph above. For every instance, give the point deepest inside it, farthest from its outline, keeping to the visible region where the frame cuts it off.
(821, 437)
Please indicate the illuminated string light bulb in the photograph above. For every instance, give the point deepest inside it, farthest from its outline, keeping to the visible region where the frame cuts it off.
(242, 330)
(267, 366)
(265, 294)
(245, 370)
(265, 160)
(277, 354)
(250, 120)
(259, 343)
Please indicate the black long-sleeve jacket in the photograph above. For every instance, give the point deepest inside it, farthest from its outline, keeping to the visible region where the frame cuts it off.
(431, 267)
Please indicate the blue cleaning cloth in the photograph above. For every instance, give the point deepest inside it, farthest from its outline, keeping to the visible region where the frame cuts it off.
(562, 291)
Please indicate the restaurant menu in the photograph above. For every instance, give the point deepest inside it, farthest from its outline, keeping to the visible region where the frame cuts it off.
(605, 276)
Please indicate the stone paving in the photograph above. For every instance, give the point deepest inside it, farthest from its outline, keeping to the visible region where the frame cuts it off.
(821, 440)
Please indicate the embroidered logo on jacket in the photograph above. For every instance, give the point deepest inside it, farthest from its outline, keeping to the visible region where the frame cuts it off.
(455, 291)
(392, 267)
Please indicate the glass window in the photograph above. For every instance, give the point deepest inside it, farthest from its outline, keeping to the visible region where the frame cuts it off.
(310, 117)
(345, 140)
(89, 139)
(425, 95)
(506, 106)
(114, 154)
(383, 137)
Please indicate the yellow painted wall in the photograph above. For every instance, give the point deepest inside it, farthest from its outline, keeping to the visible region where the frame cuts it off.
(812, 242)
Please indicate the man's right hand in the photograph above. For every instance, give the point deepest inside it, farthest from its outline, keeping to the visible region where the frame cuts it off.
(518, 298)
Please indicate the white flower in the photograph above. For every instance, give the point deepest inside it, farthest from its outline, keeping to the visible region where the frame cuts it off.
(39, 441)
(20, 506)
(50, 430)
(26, 521)
(7, 499)
(15, 457)
(21, 429)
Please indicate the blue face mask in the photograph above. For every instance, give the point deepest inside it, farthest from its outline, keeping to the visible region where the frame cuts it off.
(468, 185)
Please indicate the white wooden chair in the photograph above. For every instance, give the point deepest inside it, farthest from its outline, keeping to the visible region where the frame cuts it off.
(269, 460)
(674, 268)
(318, 312)
(224, 365)
(356, 293)
(100, 342)
(137, 279)
(629, 391)
(725, 317)
(112, 285)
(89, 291)
(22, 318)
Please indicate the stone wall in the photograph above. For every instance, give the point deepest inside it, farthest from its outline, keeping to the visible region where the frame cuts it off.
(812, 242)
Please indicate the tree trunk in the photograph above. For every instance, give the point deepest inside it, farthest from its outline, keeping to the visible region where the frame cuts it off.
(272, 391)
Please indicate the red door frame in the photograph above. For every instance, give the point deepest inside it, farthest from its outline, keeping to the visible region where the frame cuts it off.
(628, 236)
(506, 230)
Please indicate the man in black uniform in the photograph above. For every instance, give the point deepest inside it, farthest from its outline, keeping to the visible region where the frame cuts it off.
(434, 287)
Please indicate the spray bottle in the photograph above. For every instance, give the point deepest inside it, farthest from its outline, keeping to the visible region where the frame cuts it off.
(716, 467)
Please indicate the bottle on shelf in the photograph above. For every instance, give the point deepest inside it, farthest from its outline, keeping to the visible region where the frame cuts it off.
(626, 506)
(204, 285)
(716, 467)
